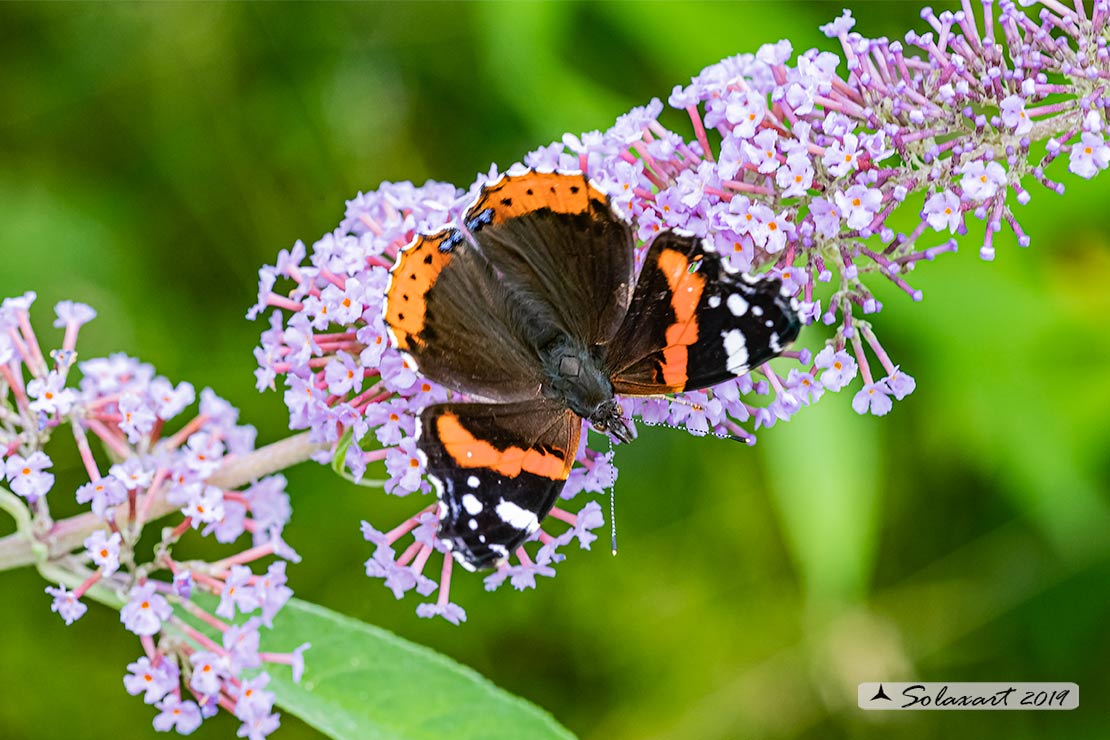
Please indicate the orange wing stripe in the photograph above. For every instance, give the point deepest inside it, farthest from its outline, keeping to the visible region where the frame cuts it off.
(686, 290)
(516, 195)
(469, 452)
(674, 367)
(417, 269)
(686, 287)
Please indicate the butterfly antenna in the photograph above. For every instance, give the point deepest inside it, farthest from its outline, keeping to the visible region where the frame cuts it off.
(612, 509)
(718, 435)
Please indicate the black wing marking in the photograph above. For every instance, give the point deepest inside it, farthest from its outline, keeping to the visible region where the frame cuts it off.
(692, 324)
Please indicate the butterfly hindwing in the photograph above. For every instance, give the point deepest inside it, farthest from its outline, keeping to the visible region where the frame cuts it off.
(449, 311)
(692, 324)
(499, 469)
(558, 246)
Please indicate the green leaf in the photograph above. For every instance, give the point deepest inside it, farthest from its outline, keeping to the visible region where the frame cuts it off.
(363, 682)
(829, 498)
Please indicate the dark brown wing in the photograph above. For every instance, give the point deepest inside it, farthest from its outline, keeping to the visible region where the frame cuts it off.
(556, 242)
(692, 324)
(447, 308)
(499, 469)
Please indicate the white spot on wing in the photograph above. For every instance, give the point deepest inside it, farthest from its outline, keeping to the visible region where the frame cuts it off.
(462, 560)
(472, 481)
(736, 347)
(516, 517)
(757, 310)
(473, 524)
(471, 503)
(737, 305)
(714, 301)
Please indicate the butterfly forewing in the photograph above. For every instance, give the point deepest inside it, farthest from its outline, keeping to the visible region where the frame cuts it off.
(557, 245)
(447, 309)
(692, 324)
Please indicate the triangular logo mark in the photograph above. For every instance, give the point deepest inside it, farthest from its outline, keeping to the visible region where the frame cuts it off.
(880, 694)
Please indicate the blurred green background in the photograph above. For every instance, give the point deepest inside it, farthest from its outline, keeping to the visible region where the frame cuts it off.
(152, 157)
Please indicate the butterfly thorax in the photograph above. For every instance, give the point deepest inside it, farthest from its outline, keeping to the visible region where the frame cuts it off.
(576, 375)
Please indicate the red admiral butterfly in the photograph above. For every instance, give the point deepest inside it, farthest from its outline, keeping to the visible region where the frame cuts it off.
(532, 309)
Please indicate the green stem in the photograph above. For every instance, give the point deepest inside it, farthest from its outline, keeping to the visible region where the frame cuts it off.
(22, 549)
(24, 526)
(14, 505)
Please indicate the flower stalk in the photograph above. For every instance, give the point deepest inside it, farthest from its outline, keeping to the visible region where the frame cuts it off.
(23, 548)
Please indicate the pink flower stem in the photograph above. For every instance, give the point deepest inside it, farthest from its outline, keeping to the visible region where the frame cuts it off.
(182, 528)
(38, 369)
(152, 492)
(747, 187)
(278, 301)
(80, 590)
(197, 636)
(215, 585)
(422, 558)
(861, 358)
(147, 641)
(186, 431)
(409, 553)
(201, 614)
(85, 452)
(772, 378)
(226, 703)
(15, 381)
(445, 581)
(332, 278)
(522, 556)
(109, 438)
(69, 341)
(699, 130)
(877, 348)
(247, 556)
(564, 516)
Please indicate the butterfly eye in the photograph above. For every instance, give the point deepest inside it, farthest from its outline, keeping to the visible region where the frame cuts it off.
(599, 426)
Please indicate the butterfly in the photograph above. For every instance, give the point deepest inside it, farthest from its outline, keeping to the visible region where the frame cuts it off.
(531, 306)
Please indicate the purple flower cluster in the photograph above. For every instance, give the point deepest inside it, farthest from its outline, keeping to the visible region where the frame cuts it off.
(124, 406)
(353, 391)
(795, 166)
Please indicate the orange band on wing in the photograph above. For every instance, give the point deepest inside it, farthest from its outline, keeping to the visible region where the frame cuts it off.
(470, 452)
(686, 287)
(417, 269)
(518, 195)
(686, 290)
